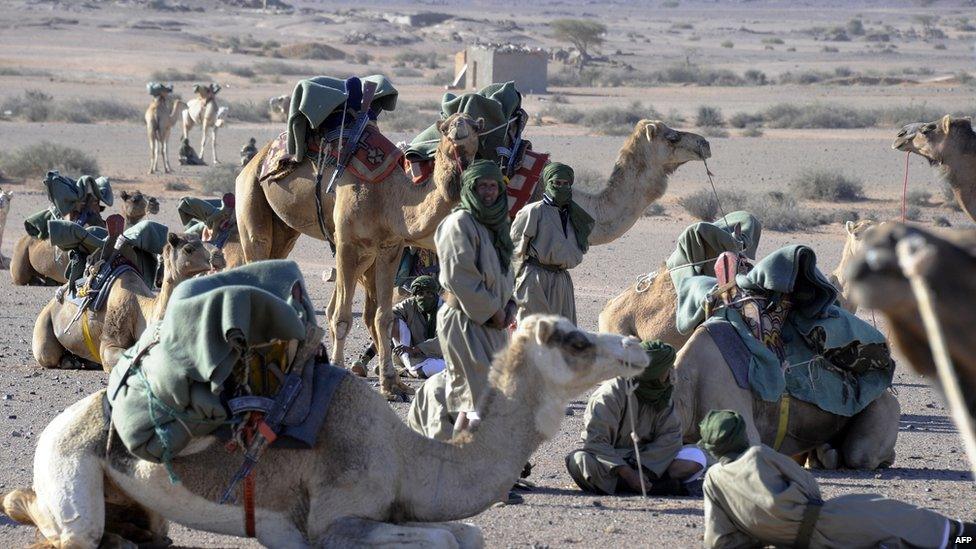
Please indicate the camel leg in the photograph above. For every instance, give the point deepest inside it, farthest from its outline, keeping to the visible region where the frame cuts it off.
(384, 272)
(869, 442)
(255, 218)
(165, 144)
(203, 141)
(48, 351)
(356, 532)
(152, 151)
(283, 238)
(213, 144)
(369, 314)
(350, 267)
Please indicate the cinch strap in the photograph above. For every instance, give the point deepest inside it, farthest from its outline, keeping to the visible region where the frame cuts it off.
(89, 342)
(784, 419)
(810, 515)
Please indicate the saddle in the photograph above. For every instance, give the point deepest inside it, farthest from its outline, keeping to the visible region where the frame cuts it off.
(375, 157)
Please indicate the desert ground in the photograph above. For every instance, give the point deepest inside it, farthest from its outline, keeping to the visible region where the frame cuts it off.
(78, 52)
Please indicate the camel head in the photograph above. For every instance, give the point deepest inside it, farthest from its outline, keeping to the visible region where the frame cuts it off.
(186, 256)
(904, 140)
(563, 361)
(947, 138)
(667, 147)
(462, 132)
(855, 235)
(5, 198)
(137, 205)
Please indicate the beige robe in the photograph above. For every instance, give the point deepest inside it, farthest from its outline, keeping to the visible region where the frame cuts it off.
(537, 232)
(607, 443)
(470, 270)
(409, 312)
(428, 412)
(759, 499)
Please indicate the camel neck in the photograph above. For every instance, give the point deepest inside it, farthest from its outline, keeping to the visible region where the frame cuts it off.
(635, 182)
(960, 174)
(161, 301)
(424, 208)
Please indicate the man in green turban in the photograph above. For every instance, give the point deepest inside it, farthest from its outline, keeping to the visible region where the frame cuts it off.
(757, 497)
(550, 237)
(607, 464)
(475, 250)
(415, 329)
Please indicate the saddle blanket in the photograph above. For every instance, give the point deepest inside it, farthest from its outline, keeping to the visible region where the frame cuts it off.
(523, 183)
(375, 157)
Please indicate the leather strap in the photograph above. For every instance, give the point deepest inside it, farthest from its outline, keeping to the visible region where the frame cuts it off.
(249, 504)
(534, 261)
(89, 342)
(784, 420)
(810, 515)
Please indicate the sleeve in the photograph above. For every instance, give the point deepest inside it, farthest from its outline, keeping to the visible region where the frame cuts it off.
(604, 412)
(524, 228)
(457, 249)
(720, 531)
(431, 348)
(658, 454)
(792, 473)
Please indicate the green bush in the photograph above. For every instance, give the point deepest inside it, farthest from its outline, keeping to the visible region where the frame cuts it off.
(176, 75)
(829, 185)
(248, 111)
(219, 179)
(36, 160)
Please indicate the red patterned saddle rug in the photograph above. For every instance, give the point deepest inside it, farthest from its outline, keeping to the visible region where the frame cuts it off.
(523, 183)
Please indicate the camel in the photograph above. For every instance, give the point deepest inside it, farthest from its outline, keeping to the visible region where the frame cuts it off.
(161, 115)
(5, 198)
(137, 206)
(203, 110)
(131, 306)
(703, 382)
(361, 485)
(648, 309)
(949, 143)
(639, 177)
(278, 108)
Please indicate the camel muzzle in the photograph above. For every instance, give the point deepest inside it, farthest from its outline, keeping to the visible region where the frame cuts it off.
(704, 149)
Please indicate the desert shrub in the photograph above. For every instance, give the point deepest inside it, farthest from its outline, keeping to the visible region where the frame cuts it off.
(773, 40)
(744, 120)
(670, 4)
(755, 77)
(752, 131)
(23, 71)
(704, 205)
(855, 27)
(714, 131)
(918, 197)
(728, 44)
(442, 77)
(654, 210)
(176, 186)
(416, 60)
(682, 26)
(780, 212)
(829, 49)
(940, 46)
(36, 160)
(842, 216)
(248, 111)
(33, 106)
(565, 115)
(913, 213)
(829, 185)
(409, 117)
(817, 115)
(709, 116)
(176, 75)
(272, 67)
(362, 58)
(941, 221)
(558, 99)
(310, 50)
(617, 120)
(407, 72)
(85, 111)
(219, 179)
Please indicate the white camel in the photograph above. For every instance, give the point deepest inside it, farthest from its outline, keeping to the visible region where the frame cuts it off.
(5, 198)
(205, 111)
(369, 481)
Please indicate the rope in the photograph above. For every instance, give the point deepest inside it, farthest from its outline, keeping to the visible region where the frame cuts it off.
(911, 251)
(482, 134)
(714, 191)
(649, 277)
(631, 387)
(904, 192)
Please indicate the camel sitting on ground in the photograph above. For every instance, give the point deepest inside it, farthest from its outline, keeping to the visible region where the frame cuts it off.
(137, 206)
(648, 309)
(203, 110)
(132, 305)
(950, 144)
(369, 481)
(855, 241)
(161, 115)
(648, 156)
(5, 198)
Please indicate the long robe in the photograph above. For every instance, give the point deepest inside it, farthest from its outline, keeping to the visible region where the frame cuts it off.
(428, 412)
(410, 328)
(759, 499)
(538, 233)
(472, 272)
(607, 443)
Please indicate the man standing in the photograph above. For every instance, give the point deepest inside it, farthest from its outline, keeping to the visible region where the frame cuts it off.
(475, 250)
(756, 496)
(550, 237)
(415, 329)
(607, 464)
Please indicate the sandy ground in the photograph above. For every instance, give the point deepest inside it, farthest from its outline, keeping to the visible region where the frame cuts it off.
(103, 56)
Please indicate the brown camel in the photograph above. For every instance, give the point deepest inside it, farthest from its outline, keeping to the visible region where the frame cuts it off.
(950, 144)
(647, 309)
(131, 306)
(271, 216)
(137, 206)
(161, 115)
(703, 382)
(639, 177)
(853, 244)
(5, 198)
(362, 485)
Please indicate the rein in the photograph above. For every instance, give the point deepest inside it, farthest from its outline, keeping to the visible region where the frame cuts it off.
(904, 192)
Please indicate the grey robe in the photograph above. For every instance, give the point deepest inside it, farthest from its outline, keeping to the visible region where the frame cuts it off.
(470, 270)
(759, 499)
(607, 443)
(409, 312)
(428, 412)
(537, 233)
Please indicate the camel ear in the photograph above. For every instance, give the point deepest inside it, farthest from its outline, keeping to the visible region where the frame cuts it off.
(650, 130)
(479, 124)
(545, 328)
(124, 195)
(850, 227)
(945, 123)
(442, 127)
(173, 239)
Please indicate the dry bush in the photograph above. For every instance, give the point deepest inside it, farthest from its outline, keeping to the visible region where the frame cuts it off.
(728, 44)
(281, 68)
(704, 205)
(248, 111)
(618, 120)
(409, 117)
(416, 60)
(38, 106)
(654, 210)
(175, 75)
(176, 186)
(219, 179)
(714, 131)
(919, 197)
(442, 77)
(829, 185)
(36, 160)
(913, 213)
(709, 117)
(752, 131)
(565, 115)
(780, 212)
(310, 50)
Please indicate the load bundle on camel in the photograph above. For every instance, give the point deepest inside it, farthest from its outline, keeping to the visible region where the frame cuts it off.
(35, 261)
(109, 301)
(895, 260)
(360, 479)
(214, 220)
(770, 343)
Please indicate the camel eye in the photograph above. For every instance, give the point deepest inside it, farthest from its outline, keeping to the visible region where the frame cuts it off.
(673, 137)
(578, 341)
(927, 129)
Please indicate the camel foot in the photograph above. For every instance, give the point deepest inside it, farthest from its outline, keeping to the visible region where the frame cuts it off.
(115, 541)
(395, 390)
(329, 275)
(823, 457)
(73, 362)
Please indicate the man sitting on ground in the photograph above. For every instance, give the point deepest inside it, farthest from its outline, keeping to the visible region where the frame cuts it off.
(188, 156)
(607, 464)
(756, 496)
(415, 329)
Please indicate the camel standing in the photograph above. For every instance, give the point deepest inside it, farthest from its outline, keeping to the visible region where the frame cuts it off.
(950, 144)
(5, 198)
(203, 110)
(639, 177)
(361, 485)
(131, 306)
(137, 206)
(161, 115)
(648, 309)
